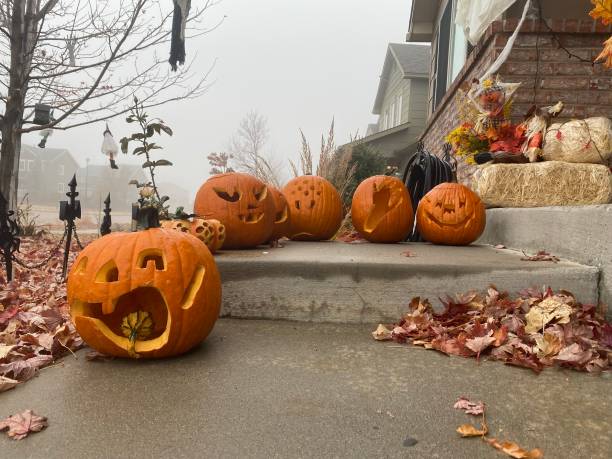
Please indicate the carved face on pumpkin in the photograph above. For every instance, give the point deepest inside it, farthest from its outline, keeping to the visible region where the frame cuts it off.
(315, 208)
(179, 225)
(242, 203)
(381, 209)
(281, 214)
(451, 214)
(164, 275)
(210, 232)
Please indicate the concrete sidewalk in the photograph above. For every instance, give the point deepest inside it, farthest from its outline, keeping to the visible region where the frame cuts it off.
(284, 389)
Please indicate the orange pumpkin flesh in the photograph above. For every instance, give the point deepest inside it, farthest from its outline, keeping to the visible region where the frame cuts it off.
(242, 203)
(315, 208)
(281, 214)
(451, 214)
(166, 273)
(210, 232)
(179, 225)
(381, 209)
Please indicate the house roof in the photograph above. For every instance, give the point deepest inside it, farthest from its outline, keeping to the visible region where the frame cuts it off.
(412, 59)
(47, 154)
(422, 18)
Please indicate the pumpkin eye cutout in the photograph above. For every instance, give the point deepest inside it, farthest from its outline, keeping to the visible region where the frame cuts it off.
(108, 273)
(262, 194)
(82, 266)
(153, 256)
(226, 196)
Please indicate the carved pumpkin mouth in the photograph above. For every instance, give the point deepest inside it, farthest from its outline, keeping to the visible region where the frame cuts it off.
(281, 217)
(251, 218)
(463, 222)
(384, 202)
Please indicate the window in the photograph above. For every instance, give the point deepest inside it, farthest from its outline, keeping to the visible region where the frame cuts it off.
(22, 165)
(61, 187)
(60, 169)
(458, 49)
(441, 59)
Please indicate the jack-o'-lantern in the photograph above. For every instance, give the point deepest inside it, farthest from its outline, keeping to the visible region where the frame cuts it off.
(315, 208)
(179, 225)
(381, 209)
(281, 215)
(152, 293)
(242, 203)
(451, 214)
(210, 232)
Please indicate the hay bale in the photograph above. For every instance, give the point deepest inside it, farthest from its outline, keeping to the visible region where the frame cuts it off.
(579, 141)
(549, 183)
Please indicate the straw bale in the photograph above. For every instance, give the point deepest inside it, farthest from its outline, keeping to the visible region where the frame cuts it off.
(579, 141)
(549, 183)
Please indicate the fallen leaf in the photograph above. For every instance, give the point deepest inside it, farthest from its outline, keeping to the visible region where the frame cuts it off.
(573, 354)
(542, 255)
(408, 253)
(545, 311)
(5, 350)
(479, 344)
(606, 54)
(382, 333)
(95, 356)
(468, 430)
(548, 345)
(21, 425)
(7, 383)
(469, 407)
(514, 450)
(500, 246)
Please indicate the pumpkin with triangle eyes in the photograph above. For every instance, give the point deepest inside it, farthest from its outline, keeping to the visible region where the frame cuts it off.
(152, 293)
(281, 215)
(451, 214)
(242, 203)
(381, 209)
(315, 208)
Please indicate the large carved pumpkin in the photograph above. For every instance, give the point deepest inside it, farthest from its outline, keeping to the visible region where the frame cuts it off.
(152, 293)
(451, 214)
(315, 208)
(381, 210)
(242, 203)
(281, 214)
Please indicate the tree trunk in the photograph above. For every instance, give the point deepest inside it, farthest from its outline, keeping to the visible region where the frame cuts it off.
(23, 29)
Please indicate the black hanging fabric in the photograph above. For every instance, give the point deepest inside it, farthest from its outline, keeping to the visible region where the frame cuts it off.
(177, 41)
(423, 172)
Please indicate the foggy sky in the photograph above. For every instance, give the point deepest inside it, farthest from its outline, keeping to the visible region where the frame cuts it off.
(299, 63)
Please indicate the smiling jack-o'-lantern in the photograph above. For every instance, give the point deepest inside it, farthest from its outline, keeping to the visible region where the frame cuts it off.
(451, 214)
(152, 293)
(210, 232)
(242, 203)
(315, 208)
(382, 210)
(281, 215)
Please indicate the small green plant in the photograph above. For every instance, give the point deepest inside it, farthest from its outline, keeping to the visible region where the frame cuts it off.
(148, 127)
(25, 219)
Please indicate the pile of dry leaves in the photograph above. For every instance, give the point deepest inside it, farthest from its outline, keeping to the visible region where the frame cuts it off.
(35, 327)
(536, 330)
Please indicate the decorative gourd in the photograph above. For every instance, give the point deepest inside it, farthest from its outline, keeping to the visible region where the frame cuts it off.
(210, 232)
(179, 225)
(315, 208)
(281, 215)
(381, 210)
(152, 293)
(242, 203)
(451, 214)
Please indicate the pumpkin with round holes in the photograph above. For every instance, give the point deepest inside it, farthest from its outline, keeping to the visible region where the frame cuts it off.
(315, 208)
(152, 293)
(381, 209)
(281, 214)
(242, 203)
(179, 225)
(210, 232)
(451, 214)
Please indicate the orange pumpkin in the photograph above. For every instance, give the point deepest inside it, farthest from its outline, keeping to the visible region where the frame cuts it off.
(381, 210)
(152, 293)
(210, 232)
(242, 203)
(179, 225)
(451, 214)
(315, 208)
(281, 215)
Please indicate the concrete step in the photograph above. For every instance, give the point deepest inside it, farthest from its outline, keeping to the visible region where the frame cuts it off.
(369, 283)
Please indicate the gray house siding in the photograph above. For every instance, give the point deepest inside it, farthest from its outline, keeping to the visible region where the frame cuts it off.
(397, 87)
(418, 103)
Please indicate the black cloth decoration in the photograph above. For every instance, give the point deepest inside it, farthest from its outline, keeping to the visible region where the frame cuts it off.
(177, 41)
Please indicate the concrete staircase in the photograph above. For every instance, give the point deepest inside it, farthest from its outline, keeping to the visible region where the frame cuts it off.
(369, 283)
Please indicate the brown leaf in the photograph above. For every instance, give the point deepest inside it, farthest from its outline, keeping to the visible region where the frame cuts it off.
(542, 255)
(7, 383)
(514, 450)
(606, 54)
(468, 430)
(382, 333)
(479, 344)
(95, 356)
(21, 425)
(408, 253)
(573, 354)
(548, 345)
(469, 407)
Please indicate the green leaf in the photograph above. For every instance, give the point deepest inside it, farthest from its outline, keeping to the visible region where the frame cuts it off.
(137, 136)
(130, 119)
(163, 162)
(166, 129)
(138, 150)
(133, 182)
(148, 164)
(150, 130)
(124, 145)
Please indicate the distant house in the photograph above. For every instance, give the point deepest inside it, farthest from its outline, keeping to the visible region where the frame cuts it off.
(540, 60)
(99, 180)
(44, 174)
(401, 102)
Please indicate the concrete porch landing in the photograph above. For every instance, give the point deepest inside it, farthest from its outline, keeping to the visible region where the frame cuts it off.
(367, 283)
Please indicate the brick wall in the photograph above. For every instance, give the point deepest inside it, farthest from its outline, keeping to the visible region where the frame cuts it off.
(546, 72)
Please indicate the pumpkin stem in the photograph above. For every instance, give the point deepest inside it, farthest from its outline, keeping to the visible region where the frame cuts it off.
(136, 325)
